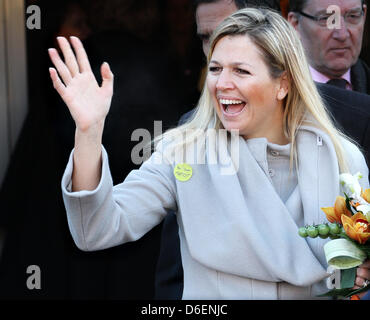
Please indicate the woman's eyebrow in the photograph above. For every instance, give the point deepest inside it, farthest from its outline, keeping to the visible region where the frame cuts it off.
(238, 64)
(233, 64)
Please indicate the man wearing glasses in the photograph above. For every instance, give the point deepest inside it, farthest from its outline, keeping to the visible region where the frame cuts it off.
(333, 40)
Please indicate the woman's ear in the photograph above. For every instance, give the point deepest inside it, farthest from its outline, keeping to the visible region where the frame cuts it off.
(284, 86)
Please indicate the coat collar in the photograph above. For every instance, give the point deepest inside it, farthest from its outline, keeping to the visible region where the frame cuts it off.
(250, 232)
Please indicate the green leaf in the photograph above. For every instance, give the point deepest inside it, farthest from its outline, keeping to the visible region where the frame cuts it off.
(336, 293)
(356, 291)
(344, 293)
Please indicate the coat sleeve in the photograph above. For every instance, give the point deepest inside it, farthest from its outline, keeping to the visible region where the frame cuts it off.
(112, 215)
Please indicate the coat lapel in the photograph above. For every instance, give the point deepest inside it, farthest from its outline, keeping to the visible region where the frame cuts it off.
(251, 233)
(318, 180)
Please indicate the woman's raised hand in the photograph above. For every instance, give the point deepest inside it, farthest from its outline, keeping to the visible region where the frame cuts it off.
(73, 79)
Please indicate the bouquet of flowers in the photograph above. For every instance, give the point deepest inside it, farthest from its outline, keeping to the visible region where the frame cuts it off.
(349, 230)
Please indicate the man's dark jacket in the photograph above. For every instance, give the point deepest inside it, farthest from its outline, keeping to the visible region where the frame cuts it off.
(360, 77)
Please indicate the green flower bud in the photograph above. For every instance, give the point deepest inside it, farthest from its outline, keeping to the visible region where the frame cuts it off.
(323, 230)
(312, 231)
(334, 228)
(302, 232)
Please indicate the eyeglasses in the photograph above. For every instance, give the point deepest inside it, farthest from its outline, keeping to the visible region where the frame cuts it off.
(351, 18)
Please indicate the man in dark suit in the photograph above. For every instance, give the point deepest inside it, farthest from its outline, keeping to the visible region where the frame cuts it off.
(333, 40)
(350, 111)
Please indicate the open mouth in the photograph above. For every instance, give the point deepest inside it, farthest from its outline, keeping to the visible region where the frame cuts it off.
(232, 107)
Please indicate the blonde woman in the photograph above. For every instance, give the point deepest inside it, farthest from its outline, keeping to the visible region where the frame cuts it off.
(238, 230)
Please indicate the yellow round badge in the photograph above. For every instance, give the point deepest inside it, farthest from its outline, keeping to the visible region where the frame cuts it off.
(183, 172)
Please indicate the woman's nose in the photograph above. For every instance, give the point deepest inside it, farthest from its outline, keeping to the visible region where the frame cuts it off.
(224, 81)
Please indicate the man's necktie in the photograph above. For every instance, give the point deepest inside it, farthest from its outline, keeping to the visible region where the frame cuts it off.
(340, 83)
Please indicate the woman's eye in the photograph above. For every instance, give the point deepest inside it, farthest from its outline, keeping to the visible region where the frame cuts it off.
(214, 69)
(242, 71)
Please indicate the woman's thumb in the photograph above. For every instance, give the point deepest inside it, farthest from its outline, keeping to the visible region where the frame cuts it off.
(107, 76)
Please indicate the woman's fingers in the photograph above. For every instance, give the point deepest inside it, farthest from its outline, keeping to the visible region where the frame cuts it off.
(60, 66)
(82, 58)
(57, 83)
(366, 264)
(71, 67)
(107, 77)
(69, 57)
(363, 273)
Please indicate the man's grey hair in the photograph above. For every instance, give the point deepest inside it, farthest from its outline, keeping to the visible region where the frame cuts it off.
(240, 4)
(298, 5)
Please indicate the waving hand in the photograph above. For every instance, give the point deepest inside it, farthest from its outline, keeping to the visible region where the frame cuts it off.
(73, 79)
(89, 105)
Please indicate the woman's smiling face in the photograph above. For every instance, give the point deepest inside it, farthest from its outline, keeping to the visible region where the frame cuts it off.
(243, 93)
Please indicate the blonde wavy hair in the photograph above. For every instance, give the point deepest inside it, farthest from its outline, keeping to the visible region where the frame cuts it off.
(282, 52)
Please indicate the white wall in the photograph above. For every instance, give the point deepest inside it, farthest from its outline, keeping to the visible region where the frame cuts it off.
(13, 77)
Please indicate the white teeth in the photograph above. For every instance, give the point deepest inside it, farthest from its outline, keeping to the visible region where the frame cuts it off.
(226, 101)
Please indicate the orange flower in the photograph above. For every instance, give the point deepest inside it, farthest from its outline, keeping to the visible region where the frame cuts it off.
(366, 195)
(333, 214)
(356, 227)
